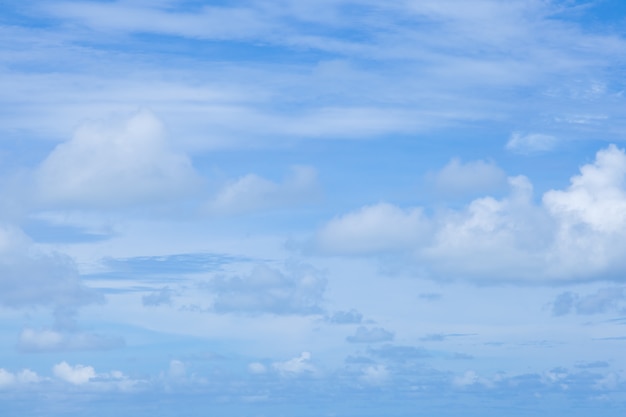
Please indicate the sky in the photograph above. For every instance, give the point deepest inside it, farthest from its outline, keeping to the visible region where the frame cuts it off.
(324, 208)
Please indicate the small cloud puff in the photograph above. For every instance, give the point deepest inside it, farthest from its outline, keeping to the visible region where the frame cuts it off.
(296, 366)
(470, 178)
(373, 335)
(86, 376)
(77, 375)
(257, 368)
(115, 164)
(253, 193)
(25, 376)
(378, 228)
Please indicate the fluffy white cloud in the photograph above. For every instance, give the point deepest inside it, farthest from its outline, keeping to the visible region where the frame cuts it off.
(268, 290)
(77, 375)
(491, 239)
(113, 164)
(575, 234)
(252, 192)
(25, 376)
(377, 228)
(299, 365)
(474, 177)
(31, 277)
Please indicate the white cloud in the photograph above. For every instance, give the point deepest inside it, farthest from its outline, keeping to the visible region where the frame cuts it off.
(31, 277)
(268, 290)
(575, 234)
(596, 198)
(46, 340)
(115, 163)
(7, 378)
(25, 376)
(377, 228)
(299, 365)
(257, 368)
(252, 192)
(77, 375)
(490, 239)
(474, 177)
(531, 143)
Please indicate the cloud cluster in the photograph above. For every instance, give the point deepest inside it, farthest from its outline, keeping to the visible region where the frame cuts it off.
(86, 376)
(77, 375)
(574, 234)
(267, 290)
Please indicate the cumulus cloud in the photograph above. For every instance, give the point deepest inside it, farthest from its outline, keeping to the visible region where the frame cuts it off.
(377, 228)
(251, 192)
(30, 277)
(47, 340)
(531, 143)
(114, 164)
(25, 376)
(574, 234)
(300, 290)
(299, 365)
(370, 335)
(470, 178)
(77, 375)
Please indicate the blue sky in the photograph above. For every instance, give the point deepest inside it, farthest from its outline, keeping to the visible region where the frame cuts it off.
(312, 208)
